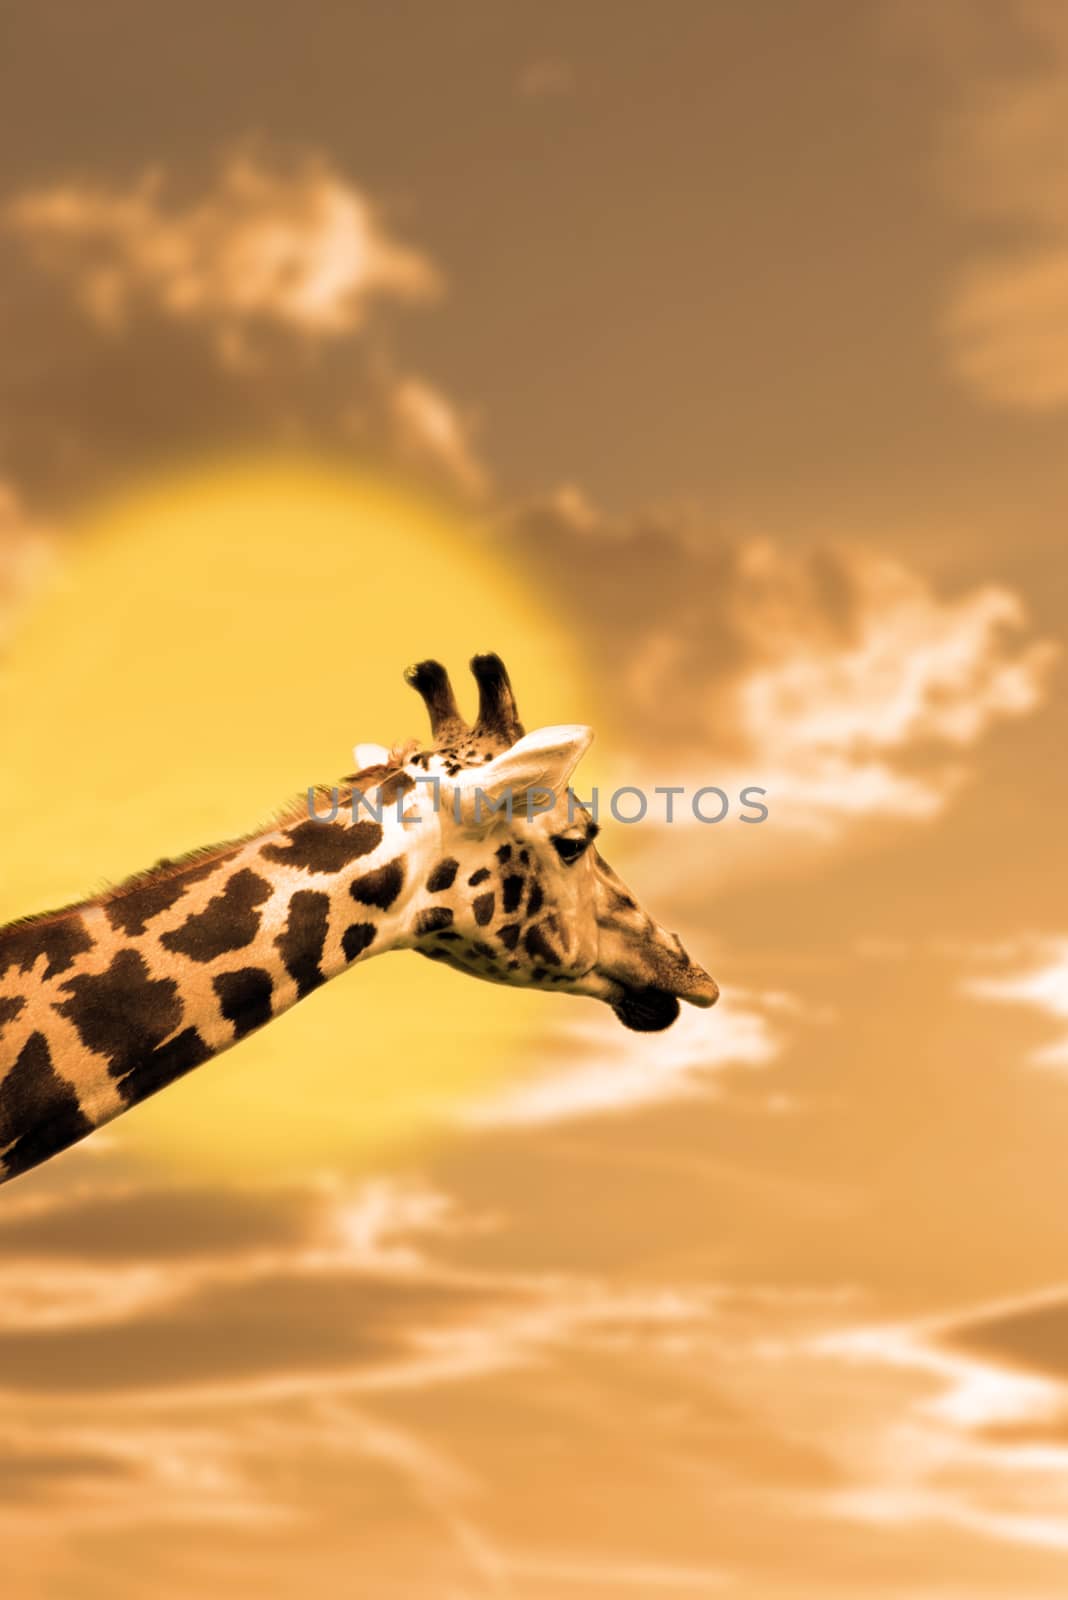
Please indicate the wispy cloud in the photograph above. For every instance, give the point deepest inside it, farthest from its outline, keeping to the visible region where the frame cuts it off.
(103, 1257)
(616, 1072)
(1041, 984)
(610, 1072)
(700, 1394)
(429, 428)
(575, 1571)
(189, 1432)
(947, 1443)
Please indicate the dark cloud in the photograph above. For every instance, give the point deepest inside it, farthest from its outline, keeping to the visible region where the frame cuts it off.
(1034, 1337)
(145, 1224)
(285, 1322)
(37, 1477)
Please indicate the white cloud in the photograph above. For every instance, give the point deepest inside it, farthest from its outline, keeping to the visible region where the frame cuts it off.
(838, 679)
(917, 668)
(380, 1228)
(1042, 985)
(835, 727)
(926, 1451)
(428, 428)
(611, 1071)
(300, 249)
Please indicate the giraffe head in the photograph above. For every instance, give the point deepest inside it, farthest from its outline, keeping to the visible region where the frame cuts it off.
(520, 894)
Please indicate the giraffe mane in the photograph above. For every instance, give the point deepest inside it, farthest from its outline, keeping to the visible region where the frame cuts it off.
(497, 718)
(292, 810)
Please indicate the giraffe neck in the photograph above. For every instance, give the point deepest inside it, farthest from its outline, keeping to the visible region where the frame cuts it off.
(108, 1001)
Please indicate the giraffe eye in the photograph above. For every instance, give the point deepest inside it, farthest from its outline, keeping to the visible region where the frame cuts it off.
(569, 849)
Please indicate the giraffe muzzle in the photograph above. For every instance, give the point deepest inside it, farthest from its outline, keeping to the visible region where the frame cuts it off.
(649, 1009)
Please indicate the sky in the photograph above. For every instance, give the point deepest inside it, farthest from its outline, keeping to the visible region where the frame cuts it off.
(736, 338)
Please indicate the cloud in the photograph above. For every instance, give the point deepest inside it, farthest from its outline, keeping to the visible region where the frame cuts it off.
(165, 318)
(282, 1321)
(298, 248)
(836, 726)
(358, 1299)
(1006, 326)
(379, 1396)
(835, 677)
(250, 1466)
(88, 1263)
(1028, 1335)
(610, 1072)
(937, 1446)
(577, 1571)
(1042, 985)
(359, 1294)
(428, 428)
(915, 669)
(226, 1396)
(128, 1223)
(1006, 165)
(239, 1394)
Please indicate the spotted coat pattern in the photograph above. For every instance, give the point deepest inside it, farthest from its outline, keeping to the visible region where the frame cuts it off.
(107, 1001)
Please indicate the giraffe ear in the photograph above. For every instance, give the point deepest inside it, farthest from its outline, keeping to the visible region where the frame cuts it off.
(370, 755)
(544, 759)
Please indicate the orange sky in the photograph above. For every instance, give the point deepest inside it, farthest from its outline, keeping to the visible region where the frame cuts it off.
(737, 333)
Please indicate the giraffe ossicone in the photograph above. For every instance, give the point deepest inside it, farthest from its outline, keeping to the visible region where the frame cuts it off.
(104, 1002)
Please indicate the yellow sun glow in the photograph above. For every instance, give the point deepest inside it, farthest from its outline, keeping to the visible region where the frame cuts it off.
(212, 645)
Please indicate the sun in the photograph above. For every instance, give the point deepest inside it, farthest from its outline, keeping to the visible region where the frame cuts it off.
(213, 644)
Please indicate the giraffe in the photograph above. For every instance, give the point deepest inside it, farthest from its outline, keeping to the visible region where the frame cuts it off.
(108, 1000)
